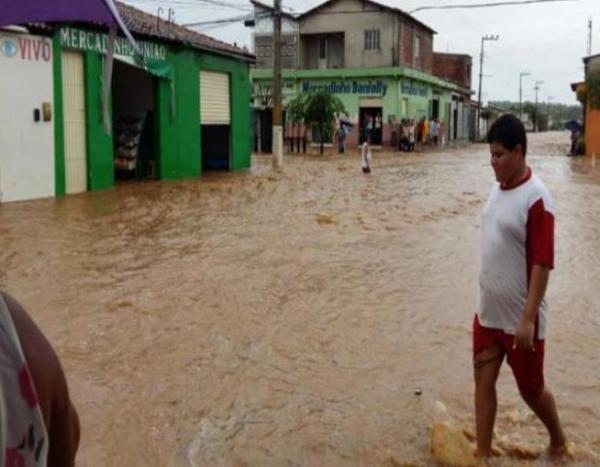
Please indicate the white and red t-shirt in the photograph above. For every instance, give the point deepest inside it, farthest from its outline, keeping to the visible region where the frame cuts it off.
(518, 232)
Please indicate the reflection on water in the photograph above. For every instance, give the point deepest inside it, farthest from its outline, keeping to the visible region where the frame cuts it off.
(312, 317)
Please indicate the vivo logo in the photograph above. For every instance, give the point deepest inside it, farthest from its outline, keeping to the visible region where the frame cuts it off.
(8, 48)
(27, 48)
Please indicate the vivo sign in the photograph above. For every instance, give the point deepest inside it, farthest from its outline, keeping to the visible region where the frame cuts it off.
(26, 48)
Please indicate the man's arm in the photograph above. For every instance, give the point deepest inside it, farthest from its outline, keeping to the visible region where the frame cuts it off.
(537, 289)
(60, 417)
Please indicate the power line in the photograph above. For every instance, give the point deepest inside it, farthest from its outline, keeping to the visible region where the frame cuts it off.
(233, 19)
(485, 5)
(196, 3)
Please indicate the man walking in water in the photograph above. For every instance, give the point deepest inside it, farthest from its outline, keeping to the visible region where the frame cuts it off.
(517, 256)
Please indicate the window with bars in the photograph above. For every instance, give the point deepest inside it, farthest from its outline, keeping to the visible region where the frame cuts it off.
(372, 39)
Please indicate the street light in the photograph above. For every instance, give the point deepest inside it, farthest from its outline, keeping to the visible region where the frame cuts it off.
(535, 122)
(523, 73)
(483, 39)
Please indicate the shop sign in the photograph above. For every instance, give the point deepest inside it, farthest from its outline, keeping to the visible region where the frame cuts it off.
(413, 89)
(30, 48)
(96, 42)
(378, 88)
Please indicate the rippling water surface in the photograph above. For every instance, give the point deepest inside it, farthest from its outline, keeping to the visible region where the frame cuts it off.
(261, 319)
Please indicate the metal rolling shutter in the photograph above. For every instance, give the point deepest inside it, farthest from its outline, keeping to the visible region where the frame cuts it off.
(74, 122)
(214, 98)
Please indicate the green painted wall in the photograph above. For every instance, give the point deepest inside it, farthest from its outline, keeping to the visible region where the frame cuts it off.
(177, 119)
(100, 159)
(179, 127)
(418, 105)
(59, 129)
(239, 74)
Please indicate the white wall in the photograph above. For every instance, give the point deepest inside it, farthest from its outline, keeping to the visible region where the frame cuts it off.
(26, 147)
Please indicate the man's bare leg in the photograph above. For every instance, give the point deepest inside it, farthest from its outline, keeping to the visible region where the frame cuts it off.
(486, 368)
(545, 408)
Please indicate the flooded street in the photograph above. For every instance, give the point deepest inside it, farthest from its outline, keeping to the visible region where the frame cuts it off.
(260, 319)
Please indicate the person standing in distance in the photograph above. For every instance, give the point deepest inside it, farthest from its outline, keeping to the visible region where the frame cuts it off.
(517, 256)
(366, 157)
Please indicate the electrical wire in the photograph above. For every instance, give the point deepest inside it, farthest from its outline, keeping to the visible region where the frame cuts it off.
(485, 5)
(228, 20)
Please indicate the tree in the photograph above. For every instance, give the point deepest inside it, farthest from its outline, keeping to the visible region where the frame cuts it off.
(316, 109)
(486, 113)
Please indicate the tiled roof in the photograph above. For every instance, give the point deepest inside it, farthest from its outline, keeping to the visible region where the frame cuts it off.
(142, 23)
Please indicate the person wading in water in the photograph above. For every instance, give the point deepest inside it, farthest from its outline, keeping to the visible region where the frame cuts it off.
(517, 256)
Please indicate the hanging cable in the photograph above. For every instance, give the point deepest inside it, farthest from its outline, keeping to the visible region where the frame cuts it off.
(485, 5)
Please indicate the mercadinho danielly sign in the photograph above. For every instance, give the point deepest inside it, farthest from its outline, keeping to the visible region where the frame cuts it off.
(378, 88)
(88, 40)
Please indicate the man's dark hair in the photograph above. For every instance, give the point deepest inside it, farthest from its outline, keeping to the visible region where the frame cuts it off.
(508, 131)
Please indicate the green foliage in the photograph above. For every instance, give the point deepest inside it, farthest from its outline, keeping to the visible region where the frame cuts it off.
(486, 113)
(296, 108)
(592, 87)
(316, 109)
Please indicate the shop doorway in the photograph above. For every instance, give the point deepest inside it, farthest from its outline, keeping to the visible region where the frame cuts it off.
(435, 108)
(264, 123)
(371, 122)
(215, 120)
(73, 85)
(134, 108)
(215, 147)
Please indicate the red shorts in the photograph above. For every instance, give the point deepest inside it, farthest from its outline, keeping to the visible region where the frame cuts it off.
(527, 365)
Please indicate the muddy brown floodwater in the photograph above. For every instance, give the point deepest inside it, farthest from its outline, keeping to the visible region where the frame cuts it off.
(260, 319)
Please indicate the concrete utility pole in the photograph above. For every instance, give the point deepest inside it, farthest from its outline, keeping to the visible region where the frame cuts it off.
(536, 126)
(483, 39)
(523, 73)
(277, 123)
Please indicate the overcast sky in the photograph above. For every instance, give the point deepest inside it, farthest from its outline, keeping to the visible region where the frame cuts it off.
(546, 39)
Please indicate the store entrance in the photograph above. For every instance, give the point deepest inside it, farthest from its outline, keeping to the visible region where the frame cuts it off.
(371, 122)
(215, 147)
(133, 106)
(435, 108)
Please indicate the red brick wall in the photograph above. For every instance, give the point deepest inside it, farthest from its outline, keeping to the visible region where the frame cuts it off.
(453, 67)
(408, 32)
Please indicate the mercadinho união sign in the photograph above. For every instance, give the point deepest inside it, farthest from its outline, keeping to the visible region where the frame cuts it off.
(88, 40)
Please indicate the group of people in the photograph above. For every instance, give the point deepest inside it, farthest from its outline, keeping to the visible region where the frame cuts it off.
(371, 124)
(413, 137)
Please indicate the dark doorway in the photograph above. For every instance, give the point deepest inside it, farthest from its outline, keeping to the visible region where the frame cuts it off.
(266, 130)
(215, 147)
(263, 128)
(455, 118)
(435, 108)
(133, 108)
(371, 121)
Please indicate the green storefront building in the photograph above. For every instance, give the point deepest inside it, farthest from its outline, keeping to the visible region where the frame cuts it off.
(379, 60)
(387, 94)
(172, 114)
